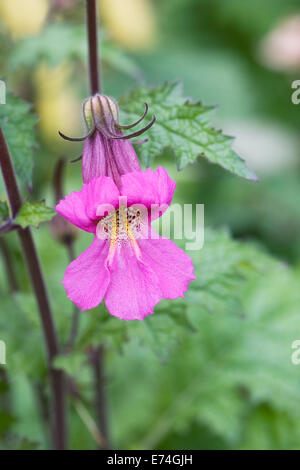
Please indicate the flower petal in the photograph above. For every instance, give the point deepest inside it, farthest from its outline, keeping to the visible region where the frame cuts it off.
(86, 278)
(172, 266)
(125, 156)
(93, 158)
(134, 289)
(80, 207)
(150, 188)
(108, 157)
(123, 159)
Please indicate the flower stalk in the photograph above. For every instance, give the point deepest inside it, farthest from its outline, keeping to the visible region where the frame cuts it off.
(39, 287)
(92, 29)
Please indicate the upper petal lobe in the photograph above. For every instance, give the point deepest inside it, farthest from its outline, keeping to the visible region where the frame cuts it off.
(80, 207)
(150, 188)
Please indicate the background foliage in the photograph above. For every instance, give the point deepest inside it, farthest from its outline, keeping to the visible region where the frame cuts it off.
(213, 370)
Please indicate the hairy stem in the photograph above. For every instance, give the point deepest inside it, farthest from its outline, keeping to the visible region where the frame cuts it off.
(39, 287)
(92, 28)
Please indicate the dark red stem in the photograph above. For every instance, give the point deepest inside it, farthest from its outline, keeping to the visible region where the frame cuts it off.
(92, 28)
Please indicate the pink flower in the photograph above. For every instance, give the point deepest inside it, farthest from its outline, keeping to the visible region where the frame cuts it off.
(127, 263)
(107, 151)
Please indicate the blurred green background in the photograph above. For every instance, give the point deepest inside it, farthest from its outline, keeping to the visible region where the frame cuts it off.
(215, 371)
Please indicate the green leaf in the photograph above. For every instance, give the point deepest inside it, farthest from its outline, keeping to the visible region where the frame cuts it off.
(54, 45)
(184, 127)
(18, 124)
(270, 429)
(72, 363)
(33, 214)
(67, 42)
(15, 330)
(4, 211)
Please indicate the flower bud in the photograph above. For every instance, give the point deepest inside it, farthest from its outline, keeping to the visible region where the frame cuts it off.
(107, 150)
(101, 112)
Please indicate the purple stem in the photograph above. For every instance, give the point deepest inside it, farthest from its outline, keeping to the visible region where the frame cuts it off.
(92, 28)
(39, 287)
